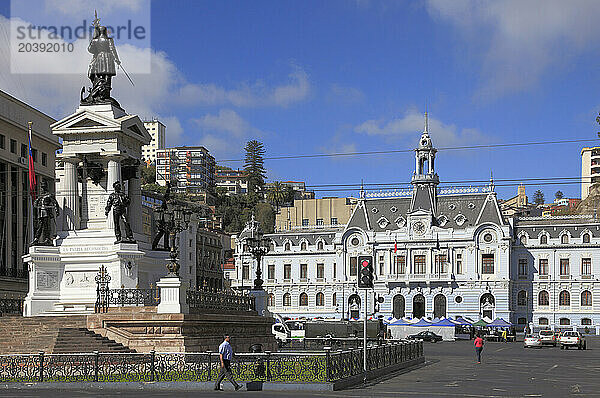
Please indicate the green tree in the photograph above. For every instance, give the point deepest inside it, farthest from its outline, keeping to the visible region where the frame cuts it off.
(148, 174)
(558, 195)
(265, 215)
(254, 165)
(538, 197)
(277, 193)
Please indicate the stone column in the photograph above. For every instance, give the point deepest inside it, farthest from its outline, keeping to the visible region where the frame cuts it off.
(135, 208)
(114, 175)
(69, 188)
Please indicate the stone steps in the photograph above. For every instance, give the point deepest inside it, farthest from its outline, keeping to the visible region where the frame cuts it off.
(56, 334)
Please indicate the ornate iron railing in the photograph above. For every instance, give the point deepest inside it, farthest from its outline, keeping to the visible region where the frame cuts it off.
(11, 305)
(199, 300)
(317, 367)
(133, 297)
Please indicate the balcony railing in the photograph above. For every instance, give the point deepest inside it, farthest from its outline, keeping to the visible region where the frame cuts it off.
(199, 300)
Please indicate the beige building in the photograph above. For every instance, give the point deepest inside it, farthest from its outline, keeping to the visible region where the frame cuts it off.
(315, 212)
(14, 183)
(590, 169)
(157, 132)
(516, 204)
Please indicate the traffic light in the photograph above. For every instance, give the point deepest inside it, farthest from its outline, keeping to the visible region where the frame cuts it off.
(378, 300)
(365, 275)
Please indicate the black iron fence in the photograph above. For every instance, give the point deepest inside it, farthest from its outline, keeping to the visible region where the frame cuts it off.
(133, 297)
(199, 300)
(11, 305)
(320, 367)
(335, 343)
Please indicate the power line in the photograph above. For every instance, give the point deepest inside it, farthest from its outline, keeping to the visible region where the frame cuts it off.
(392, 151)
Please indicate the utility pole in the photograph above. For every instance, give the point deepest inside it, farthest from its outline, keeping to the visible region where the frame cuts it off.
(365, 336)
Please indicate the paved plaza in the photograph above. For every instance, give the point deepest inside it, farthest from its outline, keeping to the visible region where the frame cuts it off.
(507, 370)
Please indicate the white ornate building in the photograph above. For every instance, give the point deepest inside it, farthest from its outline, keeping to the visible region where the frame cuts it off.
(436, 252)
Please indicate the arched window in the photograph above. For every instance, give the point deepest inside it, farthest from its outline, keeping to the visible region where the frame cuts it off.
(273, 245)
(564, 239)
(287, 300)
(320, 245)
(544, 239)
(288, 247)
(320, 299)
(586, 298)
(303, 299)
(419, 306)
(543, 321)
(586, 238)
(586, 321)
(334, 300)
(303, 246)
(439, 306)
(543, 298)
(522, 298)
(523, 239)
(564, 298)
(564, 321)
(398, 306)
(271, 300)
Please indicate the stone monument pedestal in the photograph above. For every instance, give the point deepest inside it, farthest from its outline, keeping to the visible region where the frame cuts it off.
(172, 296)
(45, 273)
(260, 297)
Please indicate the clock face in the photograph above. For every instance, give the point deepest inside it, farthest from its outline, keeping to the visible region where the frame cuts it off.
(419, 228)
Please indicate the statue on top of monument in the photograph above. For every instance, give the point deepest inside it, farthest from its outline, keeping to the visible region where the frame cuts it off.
(119, 202)
(47, 208)
(162, 224)
(102, 67)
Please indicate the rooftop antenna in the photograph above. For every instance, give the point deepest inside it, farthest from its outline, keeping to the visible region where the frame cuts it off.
(362, 189)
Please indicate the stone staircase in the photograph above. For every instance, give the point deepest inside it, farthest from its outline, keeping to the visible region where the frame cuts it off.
(71, 340)
(52, 334)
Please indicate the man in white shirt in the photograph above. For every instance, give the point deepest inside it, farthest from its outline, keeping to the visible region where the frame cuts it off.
(225, 356)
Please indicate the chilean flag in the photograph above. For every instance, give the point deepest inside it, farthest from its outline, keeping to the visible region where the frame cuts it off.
(32, 182)
(395, 246)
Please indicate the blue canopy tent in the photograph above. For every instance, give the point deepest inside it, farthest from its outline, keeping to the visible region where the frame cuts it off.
(399, 322)
(499, 323)
(444, 322)
(422, 322)
(461, 321)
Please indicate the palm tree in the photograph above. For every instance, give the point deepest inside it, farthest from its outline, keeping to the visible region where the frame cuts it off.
(277, 193)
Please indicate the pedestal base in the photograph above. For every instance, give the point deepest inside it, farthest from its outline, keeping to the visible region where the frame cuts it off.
(172, 296)
(260, 297)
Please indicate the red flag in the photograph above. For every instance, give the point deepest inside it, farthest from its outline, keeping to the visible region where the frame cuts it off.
(395, 246)
(32, 182)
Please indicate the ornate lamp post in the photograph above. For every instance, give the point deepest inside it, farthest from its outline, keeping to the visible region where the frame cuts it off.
(258, 246)
(178, 218)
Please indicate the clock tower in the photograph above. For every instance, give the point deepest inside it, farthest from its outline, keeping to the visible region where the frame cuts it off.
(425, 180)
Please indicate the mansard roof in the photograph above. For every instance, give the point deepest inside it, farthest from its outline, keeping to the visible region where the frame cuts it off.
(311, 236)
(555, 226)
(453, 211)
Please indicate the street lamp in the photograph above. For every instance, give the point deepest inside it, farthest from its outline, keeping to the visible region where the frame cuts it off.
(258, 247)
(178, 219)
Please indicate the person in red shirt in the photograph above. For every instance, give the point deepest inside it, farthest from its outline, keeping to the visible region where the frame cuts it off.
(478, 347)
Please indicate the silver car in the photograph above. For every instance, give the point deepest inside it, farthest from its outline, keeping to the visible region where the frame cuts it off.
(532, 341)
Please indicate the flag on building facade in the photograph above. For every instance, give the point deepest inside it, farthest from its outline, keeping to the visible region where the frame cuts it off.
(32, 182)
(395, 246)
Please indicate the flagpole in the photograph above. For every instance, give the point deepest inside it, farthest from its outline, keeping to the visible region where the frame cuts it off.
(30, 199)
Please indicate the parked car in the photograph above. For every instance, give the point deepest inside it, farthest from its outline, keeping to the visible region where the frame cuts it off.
(572, 339)
(532, 341)
(425, 335)
(548, 337)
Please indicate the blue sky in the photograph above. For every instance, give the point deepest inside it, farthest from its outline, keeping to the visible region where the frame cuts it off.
(336, 76)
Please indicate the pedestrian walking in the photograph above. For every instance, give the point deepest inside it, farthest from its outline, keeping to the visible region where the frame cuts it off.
(225, 356)
(478, 347)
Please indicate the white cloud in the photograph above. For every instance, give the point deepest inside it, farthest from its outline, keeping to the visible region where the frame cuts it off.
(521, 40)
(224, 133)
(443, 135)
(174, 130)
(345, 95)
(257, 94)
(227, 121)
